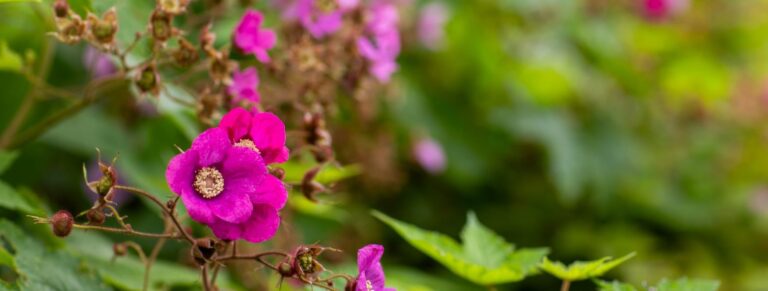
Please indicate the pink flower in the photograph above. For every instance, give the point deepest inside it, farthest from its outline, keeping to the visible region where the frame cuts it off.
(381, 45)
(371, 274)
(429, 154)
(431, 25)
(227, 188)
(320, 21)
(244, 85)
(251, 38)
(263, 133)
(97, 63)
(660, 9)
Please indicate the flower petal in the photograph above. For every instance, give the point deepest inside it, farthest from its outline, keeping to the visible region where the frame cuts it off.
(181, 171)
(211, 146)
(231, 206)
(262, 225)
(226, 230)
(368, 255)
(268, 134)
(197, 206)
(271, 192)
(237, 123)
(267, 38)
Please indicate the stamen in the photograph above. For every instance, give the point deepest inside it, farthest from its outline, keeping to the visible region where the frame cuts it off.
(247, 143)
(209, 182)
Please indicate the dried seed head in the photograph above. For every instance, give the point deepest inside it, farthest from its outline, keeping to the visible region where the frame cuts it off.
(207, 38)
(148, 80)
(173, 7)
(119, 249)
(102, 31)
(70, 30)
(206, 246)
(160, 25)
(221, 68)
(186, 55)
(62, 222)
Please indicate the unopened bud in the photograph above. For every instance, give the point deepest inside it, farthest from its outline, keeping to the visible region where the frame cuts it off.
(173, 7)
(285, 269)
(95, 216)
(62, 222)
(171, 204)
(119, 249)
(206, 247)
(207, 38)
(61, 8)
(322, 153)
(310, 187)
(186, 55)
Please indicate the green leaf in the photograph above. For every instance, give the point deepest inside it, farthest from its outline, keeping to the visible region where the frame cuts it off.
(511, 266)
(681, 284)
(11, 199)
(613, 286)
(294, 172)
(6, 159)
(11, 1)
(582, 270)
(43, 269)
(9, 60)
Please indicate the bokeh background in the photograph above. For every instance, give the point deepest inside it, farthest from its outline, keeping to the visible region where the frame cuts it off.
(592, 127)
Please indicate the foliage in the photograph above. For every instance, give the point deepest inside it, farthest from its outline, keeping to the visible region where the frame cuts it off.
(577, 271)
(681, 284)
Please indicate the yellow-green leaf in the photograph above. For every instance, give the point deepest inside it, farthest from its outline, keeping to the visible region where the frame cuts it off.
(9, 60)
(511, 266)
(582, 270)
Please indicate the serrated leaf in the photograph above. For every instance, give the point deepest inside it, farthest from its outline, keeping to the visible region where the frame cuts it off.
(11, 199)
(514, 266)
(614, 286)
(9, 60)
(582, 270)
(482, 246)
(6, 159)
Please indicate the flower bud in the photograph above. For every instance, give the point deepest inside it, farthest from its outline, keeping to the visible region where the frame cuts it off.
(62, 222)
(207, 38)
(148, 80)
(206, 246)
(119, 249)
(95, 216)
(160, 25)
(310, 187)
(173, 7)
(61, 8)
(186, 55)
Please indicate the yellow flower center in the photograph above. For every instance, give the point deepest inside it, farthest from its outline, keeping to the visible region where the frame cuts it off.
(369, 285)
(209, 182)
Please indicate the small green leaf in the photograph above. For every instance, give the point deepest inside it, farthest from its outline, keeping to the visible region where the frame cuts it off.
(6, 159)
(294, 171)
(464, 260)
(11, 199)
(582, 270)
(614, 286)
(9, 60)
(11, 1)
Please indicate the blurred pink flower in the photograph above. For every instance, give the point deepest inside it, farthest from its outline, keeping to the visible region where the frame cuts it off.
(431, 29)
(98, 63)
(252, 38)
(429, 154)
(381, 44)
(660, 9)
(370, 273)
(244, 86)
(319, 21)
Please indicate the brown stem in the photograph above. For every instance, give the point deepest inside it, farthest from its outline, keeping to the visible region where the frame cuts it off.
(136, 247)
(204, 277)
(154, 199)
(153, 256)
(126, 231)
(566, 285)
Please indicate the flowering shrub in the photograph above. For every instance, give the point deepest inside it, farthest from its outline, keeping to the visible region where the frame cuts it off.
(238, 123)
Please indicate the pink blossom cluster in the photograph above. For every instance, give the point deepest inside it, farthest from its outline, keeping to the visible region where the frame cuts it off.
(381, 43)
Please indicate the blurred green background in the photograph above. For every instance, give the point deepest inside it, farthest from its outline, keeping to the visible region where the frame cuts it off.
(589, 127)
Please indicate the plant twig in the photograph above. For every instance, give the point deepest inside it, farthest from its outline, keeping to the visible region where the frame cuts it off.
(162, 205)
(566, 285)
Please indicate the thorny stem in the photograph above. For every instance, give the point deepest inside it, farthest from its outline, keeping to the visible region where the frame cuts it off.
(566, 285)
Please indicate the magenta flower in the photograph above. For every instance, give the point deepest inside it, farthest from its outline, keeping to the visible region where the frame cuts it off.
(660, 9)
(228, 188)
(381, 45)
(429, 154)
(316, 18)
(263, 133)
(371, 274)
(244, 85)
(431, 29)
(251, 38)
